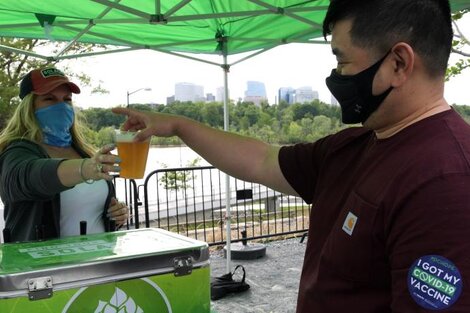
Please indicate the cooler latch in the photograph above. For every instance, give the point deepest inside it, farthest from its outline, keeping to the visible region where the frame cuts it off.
(40, 288)
(183, 266)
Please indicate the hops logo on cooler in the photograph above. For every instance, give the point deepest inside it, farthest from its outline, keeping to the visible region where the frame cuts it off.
(134, 296)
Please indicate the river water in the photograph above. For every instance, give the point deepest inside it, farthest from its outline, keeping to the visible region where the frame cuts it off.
(170, 157)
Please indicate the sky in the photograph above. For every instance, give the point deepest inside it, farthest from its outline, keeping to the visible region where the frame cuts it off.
(291, 65)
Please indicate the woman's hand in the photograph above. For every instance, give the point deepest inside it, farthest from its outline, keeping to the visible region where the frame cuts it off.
(102, 164)
(118, 211)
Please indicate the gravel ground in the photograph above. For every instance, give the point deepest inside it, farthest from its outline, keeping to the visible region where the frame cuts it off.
(274, 279)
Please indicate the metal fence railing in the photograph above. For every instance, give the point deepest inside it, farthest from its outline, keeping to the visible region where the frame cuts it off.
(130, 196)
(191, 201)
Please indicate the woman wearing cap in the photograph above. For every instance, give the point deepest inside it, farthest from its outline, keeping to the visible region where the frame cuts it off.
(50, 178)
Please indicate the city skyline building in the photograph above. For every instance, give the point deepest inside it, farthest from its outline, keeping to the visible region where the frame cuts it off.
(189, 92)
(305, 94)
(210, 97)
(219, 94)
(286, 94)
(300, 95)
(170, 100)
(255, 92)
(334, 101)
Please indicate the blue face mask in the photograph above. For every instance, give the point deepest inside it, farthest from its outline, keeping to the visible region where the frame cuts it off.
(55, 122)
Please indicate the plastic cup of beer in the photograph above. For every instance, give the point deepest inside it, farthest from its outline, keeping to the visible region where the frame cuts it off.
(133, 154)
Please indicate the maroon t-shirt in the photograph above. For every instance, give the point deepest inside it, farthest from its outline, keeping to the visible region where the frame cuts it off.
(383, 213)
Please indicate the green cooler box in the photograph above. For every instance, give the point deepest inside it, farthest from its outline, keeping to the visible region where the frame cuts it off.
(137, 271)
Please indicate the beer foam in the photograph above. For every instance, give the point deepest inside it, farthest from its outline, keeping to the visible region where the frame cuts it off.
(124, 136)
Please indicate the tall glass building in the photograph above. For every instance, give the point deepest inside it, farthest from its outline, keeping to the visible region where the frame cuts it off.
(255, 92)
(286, 94)
(305, 94)
(185, 92)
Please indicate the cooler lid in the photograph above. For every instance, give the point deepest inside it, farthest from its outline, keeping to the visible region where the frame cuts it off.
(98, 258)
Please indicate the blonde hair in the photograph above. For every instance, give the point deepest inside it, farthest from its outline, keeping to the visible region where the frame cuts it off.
(23, 125)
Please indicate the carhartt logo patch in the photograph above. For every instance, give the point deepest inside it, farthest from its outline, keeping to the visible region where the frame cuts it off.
(349, 223)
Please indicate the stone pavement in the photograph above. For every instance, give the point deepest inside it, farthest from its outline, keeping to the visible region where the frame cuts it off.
(274, 279)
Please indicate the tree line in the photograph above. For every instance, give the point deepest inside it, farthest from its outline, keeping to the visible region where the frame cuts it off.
(279, 124)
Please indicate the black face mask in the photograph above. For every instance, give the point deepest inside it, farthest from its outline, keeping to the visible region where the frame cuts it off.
(354, 93)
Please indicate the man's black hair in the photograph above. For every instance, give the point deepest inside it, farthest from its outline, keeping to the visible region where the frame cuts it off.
(425, 25)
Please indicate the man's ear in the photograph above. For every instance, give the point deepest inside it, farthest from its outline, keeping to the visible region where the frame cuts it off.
(403, 58)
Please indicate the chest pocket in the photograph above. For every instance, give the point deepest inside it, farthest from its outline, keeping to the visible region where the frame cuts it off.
(349, 250)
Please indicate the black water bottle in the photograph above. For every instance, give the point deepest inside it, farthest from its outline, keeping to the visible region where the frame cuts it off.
(40, 232)
(6, 235)
(112, 225)
(83, 227)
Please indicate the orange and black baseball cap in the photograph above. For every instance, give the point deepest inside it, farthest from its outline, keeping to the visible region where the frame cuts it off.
(41, 81)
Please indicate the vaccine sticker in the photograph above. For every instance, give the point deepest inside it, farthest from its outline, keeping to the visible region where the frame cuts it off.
(434, 282)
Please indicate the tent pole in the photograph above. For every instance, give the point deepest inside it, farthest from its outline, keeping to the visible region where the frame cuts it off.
(228, 215)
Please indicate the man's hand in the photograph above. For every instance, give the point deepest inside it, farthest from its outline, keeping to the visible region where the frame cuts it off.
(150, 123)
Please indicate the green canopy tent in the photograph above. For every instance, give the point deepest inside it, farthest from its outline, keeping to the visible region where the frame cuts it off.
(218, 27)
(224, 27)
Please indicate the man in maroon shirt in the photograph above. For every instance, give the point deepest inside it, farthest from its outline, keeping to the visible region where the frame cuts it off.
(390, 221)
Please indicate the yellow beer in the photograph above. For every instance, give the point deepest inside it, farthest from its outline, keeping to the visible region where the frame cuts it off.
(133, 155)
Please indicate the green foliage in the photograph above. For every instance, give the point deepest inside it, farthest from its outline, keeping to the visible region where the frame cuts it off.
(14, 66)
(302, 110)
(142, 107)
(105, 136)
(459, 15)
(213, 114)
(178, 180)
(278, 124)
(460, 45)
(266, 127)
(457, 68)
(464, 111)
(98, 118)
